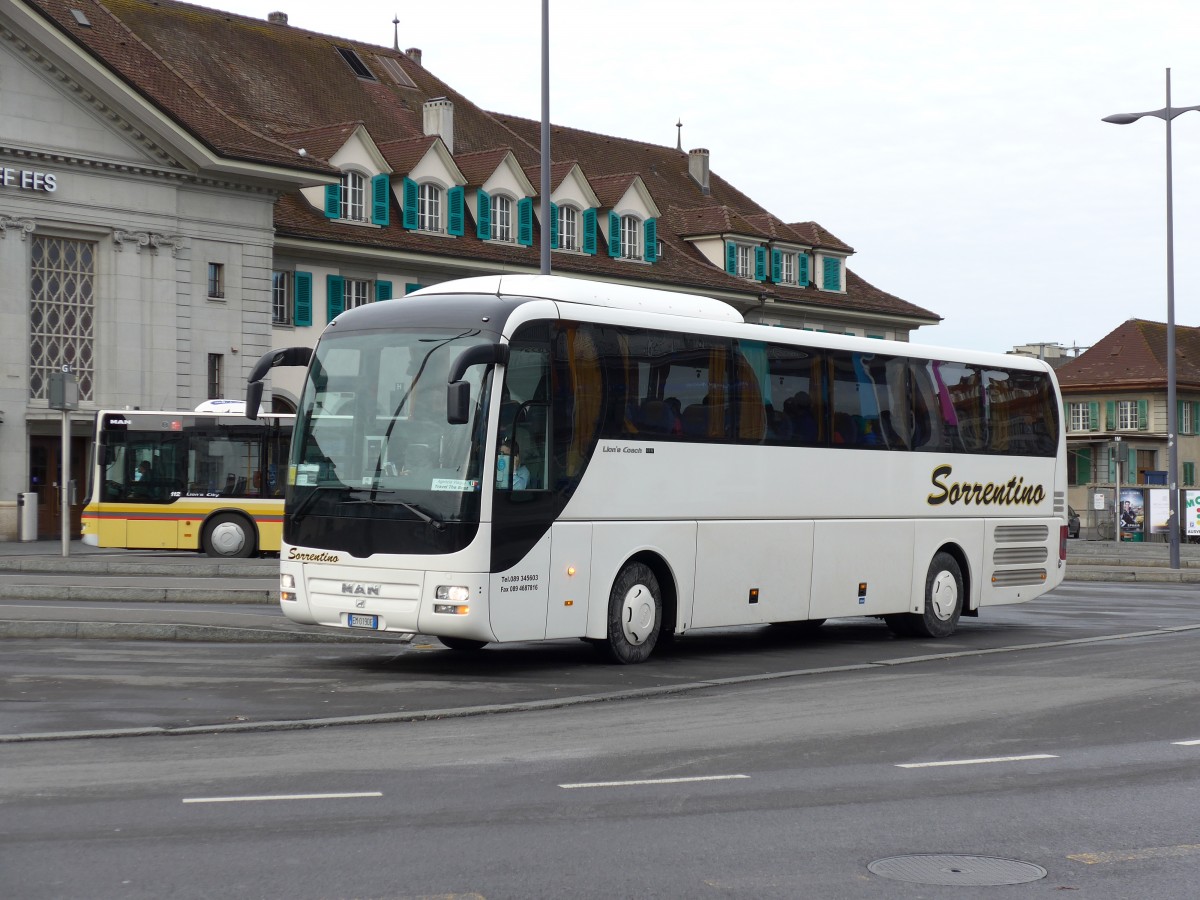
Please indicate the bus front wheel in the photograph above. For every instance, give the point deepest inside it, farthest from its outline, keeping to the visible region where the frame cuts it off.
(634, 615)
(228, 536)
(466, 644)
(943, 602)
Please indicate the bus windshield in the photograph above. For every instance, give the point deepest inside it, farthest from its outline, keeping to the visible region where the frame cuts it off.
(372, 438)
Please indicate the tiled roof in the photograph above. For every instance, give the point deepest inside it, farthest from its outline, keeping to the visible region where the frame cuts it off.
(1133, 356)
(255, 90)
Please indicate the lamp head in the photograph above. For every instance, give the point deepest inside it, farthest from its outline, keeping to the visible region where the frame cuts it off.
(1121, 119)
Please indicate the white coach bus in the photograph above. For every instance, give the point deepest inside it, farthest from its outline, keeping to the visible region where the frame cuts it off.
(516, 458)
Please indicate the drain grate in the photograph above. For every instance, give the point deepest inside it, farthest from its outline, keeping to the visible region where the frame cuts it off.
(931, 868)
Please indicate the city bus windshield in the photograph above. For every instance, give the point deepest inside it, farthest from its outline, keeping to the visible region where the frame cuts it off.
(372, 438)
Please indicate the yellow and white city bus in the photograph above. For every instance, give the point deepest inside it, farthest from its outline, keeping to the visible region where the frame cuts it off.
(211, 481)
(517, 458)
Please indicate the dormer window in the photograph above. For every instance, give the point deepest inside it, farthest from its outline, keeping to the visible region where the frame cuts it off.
(353, 206)
(568, 228)
(746, 260)
(788, 267)
(631, 238)
(787, 272)
(502, 219)
(429, 208)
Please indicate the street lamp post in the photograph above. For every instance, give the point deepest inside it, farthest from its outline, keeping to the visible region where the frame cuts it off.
(1167, 113)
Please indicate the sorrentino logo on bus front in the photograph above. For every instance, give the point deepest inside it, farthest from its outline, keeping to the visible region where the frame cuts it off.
(1014, 492)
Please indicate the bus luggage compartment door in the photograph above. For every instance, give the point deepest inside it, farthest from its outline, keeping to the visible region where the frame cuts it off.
(570, 577)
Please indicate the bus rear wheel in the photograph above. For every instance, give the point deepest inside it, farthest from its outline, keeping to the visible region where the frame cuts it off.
(467, 644)
(943, 602)
(228, 536)
(634, 615)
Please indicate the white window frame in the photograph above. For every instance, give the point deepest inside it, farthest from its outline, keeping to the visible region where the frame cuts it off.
(631, 237)
(502, 229)
(356, 292)
(429, 207)
(1184, 425)
(1080, 417)
(787, 269)
(1127, 415)
(281, 295)
(354, 197)
(745, 261)
(568, 228)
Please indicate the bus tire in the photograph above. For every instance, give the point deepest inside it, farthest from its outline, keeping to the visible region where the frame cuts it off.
(634, 615)
(943, 602)
(464, 644)
(229, 536)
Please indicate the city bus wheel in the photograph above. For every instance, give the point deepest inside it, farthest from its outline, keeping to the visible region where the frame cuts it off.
(457, 643)
(943, 602)
(634, 615)
(228, 536)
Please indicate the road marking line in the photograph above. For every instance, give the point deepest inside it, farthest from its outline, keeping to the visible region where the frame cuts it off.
(1132, 855)
(1186, 743)
(281, 797)
(597, 784)
(975, 762)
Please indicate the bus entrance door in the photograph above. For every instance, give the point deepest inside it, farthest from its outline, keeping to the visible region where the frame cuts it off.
(570, 579)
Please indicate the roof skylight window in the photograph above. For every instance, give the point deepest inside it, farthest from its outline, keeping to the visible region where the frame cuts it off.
(354, 62)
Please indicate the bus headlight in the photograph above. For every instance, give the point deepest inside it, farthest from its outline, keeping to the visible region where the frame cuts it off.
(457, 596)
(287, 586)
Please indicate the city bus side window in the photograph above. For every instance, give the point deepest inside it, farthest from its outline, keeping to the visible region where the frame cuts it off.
(524, 419)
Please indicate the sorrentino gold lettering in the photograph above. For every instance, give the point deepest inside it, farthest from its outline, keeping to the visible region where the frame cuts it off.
(1014, 492)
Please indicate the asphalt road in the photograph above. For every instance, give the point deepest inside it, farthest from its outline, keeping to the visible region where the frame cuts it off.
(1078, 757)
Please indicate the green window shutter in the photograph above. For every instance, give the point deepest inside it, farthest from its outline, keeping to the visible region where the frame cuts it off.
(525, 221)
(1196, 418)
(411, 193)
(410, 286)
(1083, 465)
(553, 226)
(1110, 415)
(1143, 417)
(1112, 464)
(614, 234)
(802, 269)
(832, 274)
(302, 309)
(776, 265)
(333, 201)
(1094, 416)
(1189, 474)
(381, 187)
(383, 290)
(650, 233)
(335, 300)
(456, 218)
(760, 263)
(483, 221)
(589, 231)
(1131, 466)
(731, 257)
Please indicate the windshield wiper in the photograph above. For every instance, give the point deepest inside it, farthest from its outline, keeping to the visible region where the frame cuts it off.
(302, 508)
(374, 496)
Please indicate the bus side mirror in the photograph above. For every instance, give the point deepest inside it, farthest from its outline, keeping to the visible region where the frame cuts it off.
(458, 392)
(290, 356)
(458, 403)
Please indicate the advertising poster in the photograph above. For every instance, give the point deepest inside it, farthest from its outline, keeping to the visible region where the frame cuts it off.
(1191, 512)
(1133, 510)
(1160, 511)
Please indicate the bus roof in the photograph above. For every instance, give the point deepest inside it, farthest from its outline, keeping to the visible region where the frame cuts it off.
(591, 293)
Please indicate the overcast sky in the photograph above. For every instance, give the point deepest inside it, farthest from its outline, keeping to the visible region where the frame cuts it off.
(955, 144)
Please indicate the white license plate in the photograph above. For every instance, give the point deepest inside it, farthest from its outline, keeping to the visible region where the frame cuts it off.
(356, 620)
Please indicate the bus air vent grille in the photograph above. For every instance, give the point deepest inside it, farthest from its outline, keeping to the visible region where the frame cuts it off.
(1018, 577)
(1011, 556)
(1021, 534)
(1060, 502)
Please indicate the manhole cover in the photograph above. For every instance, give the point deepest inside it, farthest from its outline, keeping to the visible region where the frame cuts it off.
(931, 868)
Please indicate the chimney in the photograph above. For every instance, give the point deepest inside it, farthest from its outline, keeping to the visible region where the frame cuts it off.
(414, 53)
(438, 118)
(698, 167)
(277, 18)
